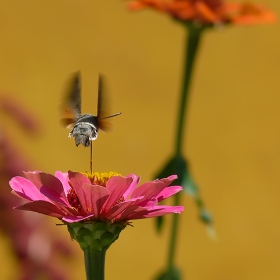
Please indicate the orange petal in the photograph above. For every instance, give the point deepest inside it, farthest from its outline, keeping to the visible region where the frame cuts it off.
(205, 13)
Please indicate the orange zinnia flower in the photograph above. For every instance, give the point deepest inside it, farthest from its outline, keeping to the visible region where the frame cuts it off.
(209, 11)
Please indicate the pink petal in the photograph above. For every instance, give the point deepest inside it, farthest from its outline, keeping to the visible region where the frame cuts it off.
(117, 186)
(54, 196)
(95, 196)
(25, 189)
(48, 181)
(154, 211)
(167, 192)
(73, 219)
(152, 202)
(63, 178)
(151, 189)
(43, 207)
(132, 186)
(170, 178)
(131, 212)
(119, 209)
(77, 179)
(163, 210)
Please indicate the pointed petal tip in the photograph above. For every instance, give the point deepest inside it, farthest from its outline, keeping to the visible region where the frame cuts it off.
(32, 172)
(172, 177)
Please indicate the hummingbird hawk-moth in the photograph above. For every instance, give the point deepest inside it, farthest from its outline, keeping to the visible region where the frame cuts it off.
(84, 127)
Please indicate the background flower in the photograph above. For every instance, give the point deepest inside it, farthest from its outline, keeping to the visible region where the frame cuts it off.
(209, 11)
(25, 231)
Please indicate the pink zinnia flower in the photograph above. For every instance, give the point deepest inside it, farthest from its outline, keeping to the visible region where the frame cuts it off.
(74, 197)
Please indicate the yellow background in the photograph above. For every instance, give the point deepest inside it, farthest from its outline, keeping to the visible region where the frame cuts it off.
(233, 134)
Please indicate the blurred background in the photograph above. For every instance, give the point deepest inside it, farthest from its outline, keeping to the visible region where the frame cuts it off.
(233, 131)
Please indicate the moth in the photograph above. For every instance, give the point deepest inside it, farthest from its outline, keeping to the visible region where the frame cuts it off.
(84, 127)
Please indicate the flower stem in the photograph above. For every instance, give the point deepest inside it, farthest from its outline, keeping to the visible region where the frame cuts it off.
(193, 38)
(95, 263)
(94, 239)
(192, 43)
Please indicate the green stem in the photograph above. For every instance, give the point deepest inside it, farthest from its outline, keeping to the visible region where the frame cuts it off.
(190, 51)
(192, 43)
(94, 239)
(173, 236)
(95, 263)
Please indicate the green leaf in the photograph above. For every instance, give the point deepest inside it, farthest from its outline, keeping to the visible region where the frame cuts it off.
(159, 223)
(178, 165)
(171, 274)
(188, 184)
(205, 216)
(192, 189)
(175, 165)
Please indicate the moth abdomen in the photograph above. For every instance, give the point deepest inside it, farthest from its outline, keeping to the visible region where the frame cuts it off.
(85, 130)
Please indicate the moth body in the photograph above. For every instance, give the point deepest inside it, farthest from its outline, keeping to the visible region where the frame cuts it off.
(85, 130)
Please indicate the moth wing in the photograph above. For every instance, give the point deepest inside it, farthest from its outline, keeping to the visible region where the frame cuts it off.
(70, 109)
(101, 98)
(68, 118)
(102, 107)
(105, 125)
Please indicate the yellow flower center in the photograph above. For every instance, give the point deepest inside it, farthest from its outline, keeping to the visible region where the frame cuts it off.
(100, 178)
(96, 178)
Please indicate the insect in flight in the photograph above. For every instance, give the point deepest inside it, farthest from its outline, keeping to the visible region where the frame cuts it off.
(84, 127)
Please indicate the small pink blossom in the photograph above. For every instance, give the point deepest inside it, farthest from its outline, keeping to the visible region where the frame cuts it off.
(74, 197)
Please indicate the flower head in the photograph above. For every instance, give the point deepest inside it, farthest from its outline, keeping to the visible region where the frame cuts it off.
(208, 11)
(74, 197)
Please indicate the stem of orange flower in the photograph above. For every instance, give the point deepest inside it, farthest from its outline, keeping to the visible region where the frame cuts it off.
(95, 263)
(192, 43)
